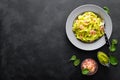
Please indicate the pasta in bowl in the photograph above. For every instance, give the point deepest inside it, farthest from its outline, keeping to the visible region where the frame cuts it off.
(88, 27)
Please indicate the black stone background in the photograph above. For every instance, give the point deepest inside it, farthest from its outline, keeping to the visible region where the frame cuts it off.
(34, 45)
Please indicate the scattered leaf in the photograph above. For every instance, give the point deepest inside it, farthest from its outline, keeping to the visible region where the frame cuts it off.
(106, 9)
(76, 62)
(73, 58)
(113, 60)
(85, 71)
(114, 41)
(112, 48)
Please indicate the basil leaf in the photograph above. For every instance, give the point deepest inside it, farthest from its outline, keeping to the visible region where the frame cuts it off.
(76, 62)
(85, 71)
(73, 58)
(106, 9)
(112, 48)
(113, 60)
(114, 41)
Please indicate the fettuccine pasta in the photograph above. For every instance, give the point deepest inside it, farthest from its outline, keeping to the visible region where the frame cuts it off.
(88, 27)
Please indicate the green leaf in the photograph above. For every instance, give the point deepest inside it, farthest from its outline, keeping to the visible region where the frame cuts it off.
(106, 9)
(114, 41)
(113, 60)
(112, 48)
(85, 71)
(73, 58)
(76, 62)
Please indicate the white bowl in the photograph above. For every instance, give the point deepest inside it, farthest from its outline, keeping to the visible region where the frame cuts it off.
(79, 10)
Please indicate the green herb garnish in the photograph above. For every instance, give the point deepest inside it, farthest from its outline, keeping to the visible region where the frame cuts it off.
(113, 60)
(106, 9)
(73, 58)
(85, 71)
(114, 41)
(112, 48)
(76, 62)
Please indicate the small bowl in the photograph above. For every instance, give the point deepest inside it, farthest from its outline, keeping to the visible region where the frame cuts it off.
(91, 65)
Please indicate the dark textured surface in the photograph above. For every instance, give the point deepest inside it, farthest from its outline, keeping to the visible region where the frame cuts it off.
(34, 46)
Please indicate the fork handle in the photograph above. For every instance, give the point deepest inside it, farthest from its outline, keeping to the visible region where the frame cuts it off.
(107, 40)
